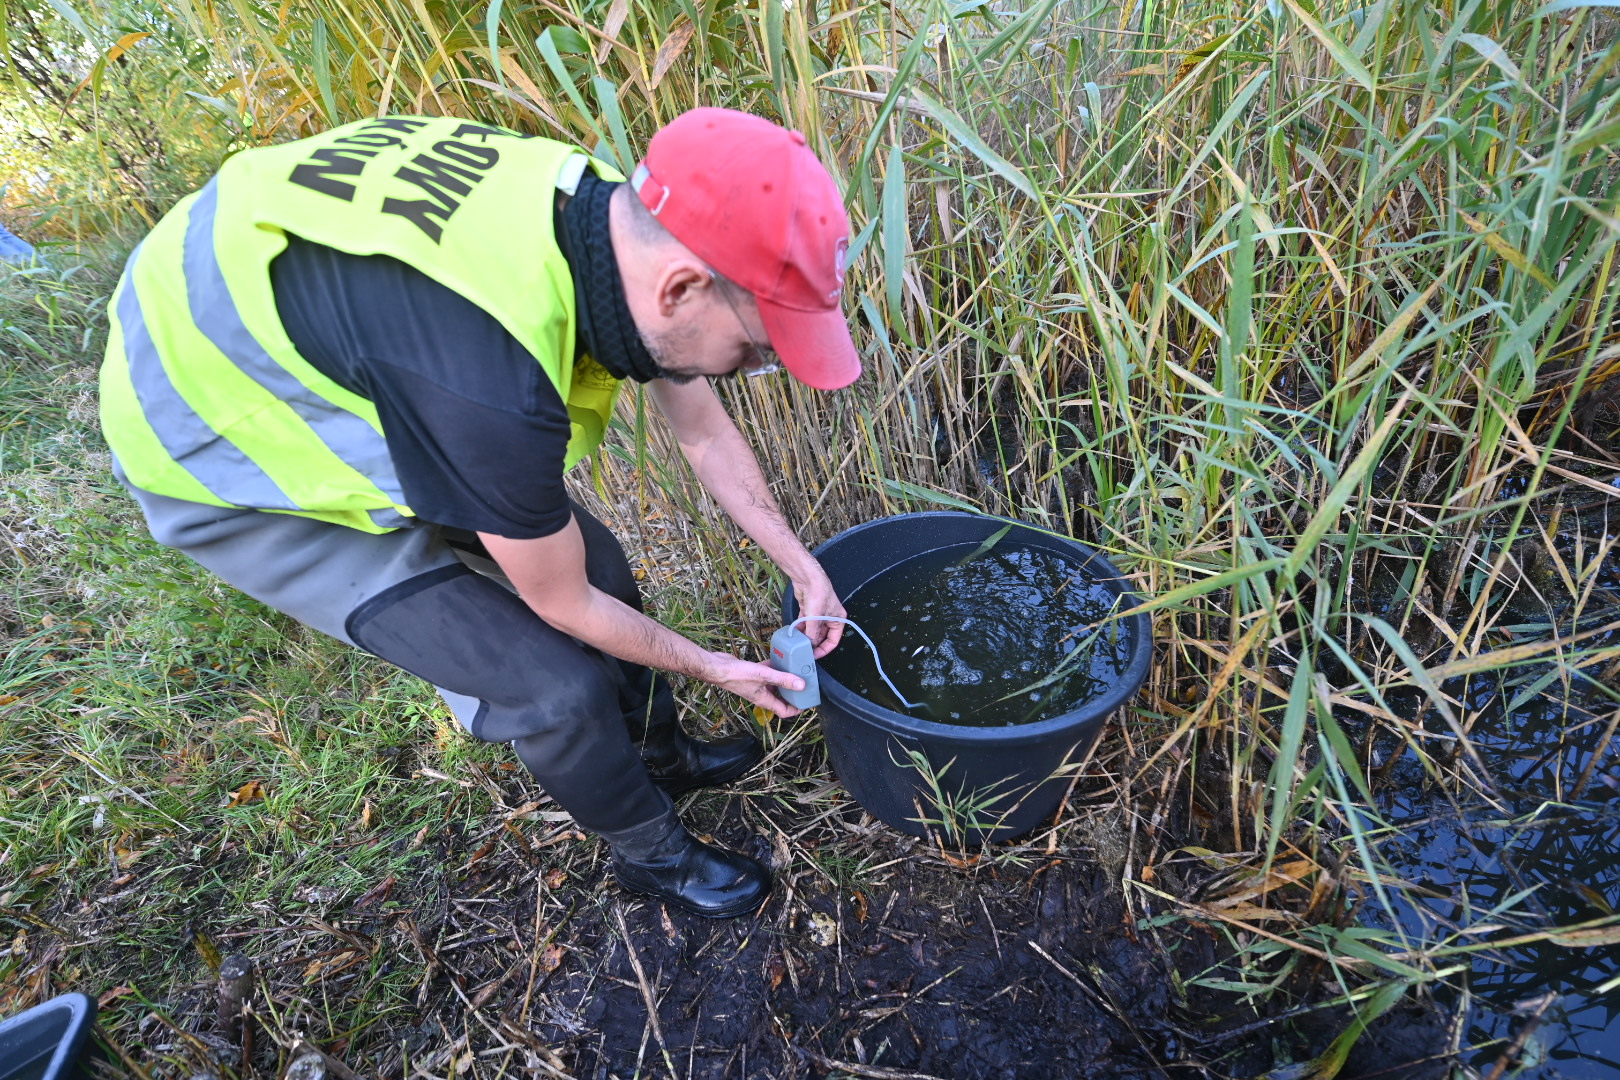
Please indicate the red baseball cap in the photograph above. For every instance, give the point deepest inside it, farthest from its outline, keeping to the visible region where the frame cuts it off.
(749, 198)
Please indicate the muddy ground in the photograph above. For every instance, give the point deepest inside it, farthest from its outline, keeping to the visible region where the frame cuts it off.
(500, 946)
(1028, 972)
(876, 956)
(920, 968)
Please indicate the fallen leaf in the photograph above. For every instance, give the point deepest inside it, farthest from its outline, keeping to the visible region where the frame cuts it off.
(252, 791)
(205, 946)
(1254, 913)
(526, 808)
(330, 965)
(777, 971)
(858, 900)
(480, 999)
(128, 852)
(1586, 939)
(483, 852)
(1282, 874)
(763, 716)
(9, 699)
(555, 877)
(318, 894)
(114, 994)
(551, 958)
(377, 892)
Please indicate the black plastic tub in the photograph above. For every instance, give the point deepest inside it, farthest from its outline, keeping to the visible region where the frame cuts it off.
(45, 1042)
(874, 750)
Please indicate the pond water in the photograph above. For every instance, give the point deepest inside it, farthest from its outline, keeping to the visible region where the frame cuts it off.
(984, 638)
(1473, 860)
(1542, 850)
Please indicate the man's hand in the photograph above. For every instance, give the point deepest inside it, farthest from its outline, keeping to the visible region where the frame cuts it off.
(756, 682)
(816, 597)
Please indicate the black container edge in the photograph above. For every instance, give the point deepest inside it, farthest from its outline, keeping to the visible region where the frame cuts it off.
(1125, 688)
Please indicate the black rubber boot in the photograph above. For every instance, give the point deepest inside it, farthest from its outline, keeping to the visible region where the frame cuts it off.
(686, 873)
(679, 763)
(682, 763)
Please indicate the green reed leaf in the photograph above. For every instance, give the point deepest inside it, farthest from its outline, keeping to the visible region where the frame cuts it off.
(901, 489)
(963, 133)
(492, 29)
(989, 543)
(1337, 49)
(321, 60)
(894, 232)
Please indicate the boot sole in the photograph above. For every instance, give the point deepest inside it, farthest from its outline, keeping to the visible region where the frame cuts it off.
(725, 776)
(693, 909)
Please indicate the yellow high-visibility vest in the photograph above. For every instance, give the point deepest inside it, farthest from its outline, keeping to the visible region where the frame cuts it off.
(204, 397)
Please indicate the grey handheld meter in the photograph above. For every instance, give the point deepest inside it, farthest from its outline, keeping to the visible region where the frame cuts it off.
(792, 652)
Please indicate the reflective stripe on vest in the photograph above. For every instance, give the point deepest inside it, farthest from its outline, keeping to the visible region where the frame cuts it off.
(355, 442)
(215, 461)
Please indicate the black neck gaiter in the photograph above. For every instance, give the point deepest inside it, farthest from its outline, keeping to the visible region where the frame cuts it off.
(605, 329)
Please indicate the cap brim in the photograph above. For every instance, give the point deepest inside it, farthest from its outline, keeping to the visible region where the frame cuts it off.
(815, 346)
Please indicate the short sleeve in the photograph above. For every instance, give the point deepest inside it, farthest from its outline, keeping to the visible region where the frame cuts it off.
(476, 430)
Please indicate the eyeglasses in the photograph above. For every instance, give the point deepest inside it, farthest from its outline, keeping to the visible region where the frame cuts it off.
(763, 360)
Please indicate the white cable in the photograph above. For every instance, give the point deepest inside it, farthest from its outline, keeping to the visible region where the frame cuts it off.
(878, 663)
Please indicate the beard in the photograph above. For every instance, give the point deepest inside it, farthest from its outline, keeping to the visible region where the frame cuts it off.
(665, 347)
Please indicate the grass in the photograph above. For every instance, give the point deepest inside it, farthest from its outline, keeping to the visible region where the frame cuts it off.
(1305, 313)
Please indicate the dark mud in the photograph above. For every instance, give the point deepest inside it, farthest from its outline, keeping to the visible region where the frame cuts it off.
(1018, 976)
(1022, 964)
(501, 947)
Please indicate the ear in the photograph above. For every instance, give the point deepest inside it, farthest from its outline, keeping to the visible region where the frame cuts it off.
(684, 280)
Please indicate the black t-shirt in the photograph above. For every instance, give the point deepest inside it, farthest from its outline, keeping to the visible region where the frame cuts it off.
(476, 430)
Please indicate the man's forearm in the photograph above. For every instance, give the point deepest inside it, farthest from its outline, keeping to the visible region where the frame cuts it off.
(617, 629)
(725, 465)
(549, 574)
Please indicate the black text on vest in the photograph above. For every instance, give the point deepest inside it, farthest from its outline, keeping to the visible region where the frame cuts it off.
(446, 175)
(348, 155)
